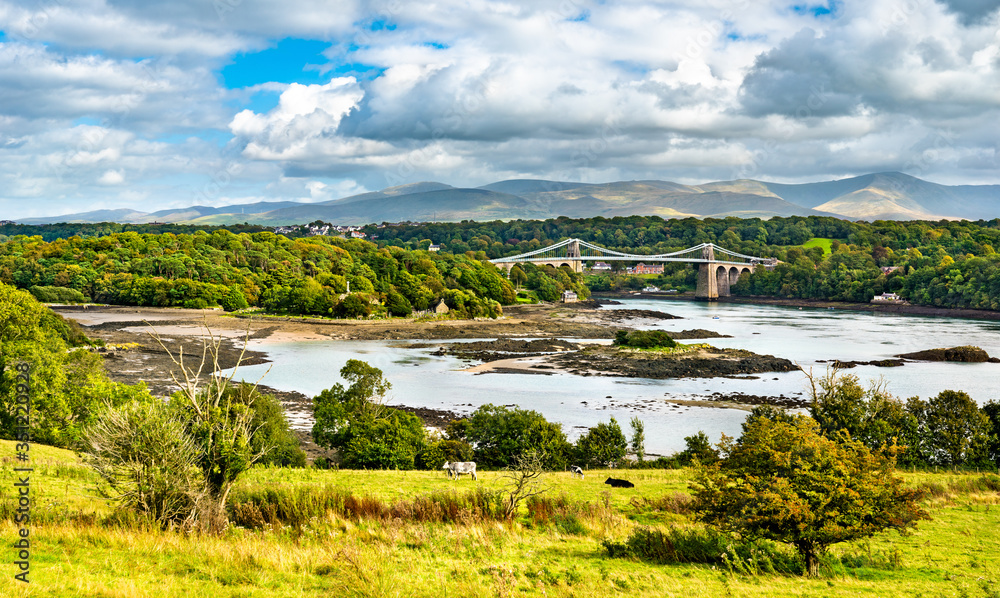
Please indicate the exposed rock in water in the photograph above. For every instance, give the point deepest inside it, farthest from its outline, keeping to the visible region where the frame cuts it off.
(745, 399)
(503, 348)
(619, 315)
(882, 363)
(696, 333)
(966, 354)
(707, 363)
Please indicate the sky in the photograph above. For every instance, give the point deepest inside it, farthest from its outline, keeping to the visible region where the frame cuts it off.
(108, 104)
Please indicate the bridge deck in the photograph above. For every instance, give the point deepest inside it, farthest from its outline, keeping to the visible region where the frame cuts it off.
(576, 250)
(638, 258)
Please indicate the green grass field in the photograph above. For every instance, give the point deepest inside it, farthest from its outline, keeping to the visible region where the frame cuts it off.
(957, 553)
(826, 244)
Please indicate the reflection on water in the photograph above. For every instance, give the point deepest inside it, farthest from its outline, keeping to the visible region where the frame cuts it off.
(804, 336)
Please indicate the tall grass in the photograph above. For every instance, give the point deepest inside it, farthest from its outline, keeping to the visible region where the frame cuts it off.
(960, 486)
(705, 545)
(296, 507)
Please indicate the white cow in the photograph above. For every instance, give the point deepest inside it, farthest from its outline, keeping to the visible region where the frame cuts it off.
(575, 470)
(458, 468)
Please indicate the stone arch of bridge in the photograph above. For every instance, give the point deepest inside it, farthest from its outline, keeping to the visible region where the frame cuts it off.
(716, 280)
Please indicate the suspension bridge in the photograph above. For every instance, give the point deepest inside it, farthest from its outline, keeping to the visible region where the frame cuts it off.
(718, 268)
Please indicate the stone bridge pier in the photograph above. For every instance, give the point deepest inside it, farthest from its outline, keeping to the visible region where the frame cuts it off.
(715, 279)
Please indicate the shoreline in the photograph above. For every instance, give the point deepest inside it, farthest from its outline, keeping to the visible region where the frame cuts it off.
(897, 309)
(183, 329)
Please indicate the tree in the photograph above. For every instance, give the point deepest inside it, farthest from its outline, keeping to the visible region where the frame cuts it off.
(220, 422)
(398, 304)
(766, 412)
(334, 407)
(356, 422)
(271, 431)
(436, 454)
(638, 438)
(604, 445)
(501, 434)
(522, 481)
(391, 440)
(992, 411)
(68, 386)
(870, 415)
(517, 276)
(788, 483)
(353, 306)
(698, 448)
(952, 429)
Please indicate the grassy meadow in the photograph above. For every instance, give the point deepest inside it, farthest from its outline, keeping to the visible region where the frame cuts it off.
(826, 244)
(390, 534)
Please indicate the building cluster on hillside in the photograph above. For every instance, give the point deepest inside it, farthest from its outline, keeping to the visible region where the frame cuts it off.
(403, 223)
(6, 222)
(310, 230)
(641, 268)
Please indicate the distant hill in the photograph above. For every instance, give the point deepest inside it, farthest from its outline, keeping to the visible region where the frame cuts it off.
(123, 215)
(877, 196)
(894, 196)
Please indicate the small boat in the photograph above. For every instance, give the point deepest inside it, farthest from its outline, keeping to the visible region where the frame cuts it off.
(715, 317)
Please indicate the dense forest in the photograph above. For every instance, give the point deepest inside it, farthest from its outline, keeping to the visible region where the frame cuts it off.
(314, 275)
(945, 263)
(65, 230)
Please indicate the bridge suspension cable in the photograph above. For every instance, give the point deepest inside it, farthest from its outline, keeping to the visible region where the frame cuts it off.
(596, 252)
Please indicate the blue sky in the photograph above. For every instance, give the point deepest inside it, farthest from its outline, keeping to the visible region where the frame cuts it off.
(131, 104)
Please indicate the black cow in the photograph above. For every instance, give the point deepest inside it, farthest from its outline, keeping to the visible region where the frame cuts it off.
(616, 483)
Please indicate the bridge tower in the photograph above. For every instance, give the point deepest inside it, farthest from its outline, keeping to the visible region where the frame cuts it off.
(714, 278)
(708, 283)
(573, 250)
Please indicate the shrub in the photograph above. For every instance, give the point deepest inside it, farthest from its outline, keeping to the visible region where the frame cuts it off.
(273, 437)
(234, 300)
(704, 545)
(436, 454)
(57, 295)
(146, 460)
(645, 339)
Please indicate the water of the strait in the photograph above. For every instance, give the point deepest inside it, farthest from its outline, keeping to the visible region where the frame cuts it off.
(804, 336)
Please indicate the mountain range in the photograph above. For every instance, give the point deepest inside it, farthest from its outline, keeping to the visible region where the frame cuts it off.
(879, 196)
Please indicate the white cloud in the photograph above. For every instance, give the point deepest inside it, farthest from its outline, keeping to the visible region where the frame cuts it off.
(127, 94)
(111, 177)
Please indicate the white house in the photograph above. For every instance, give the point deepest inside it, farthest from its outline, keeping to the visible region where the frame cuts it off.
(887, 298)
